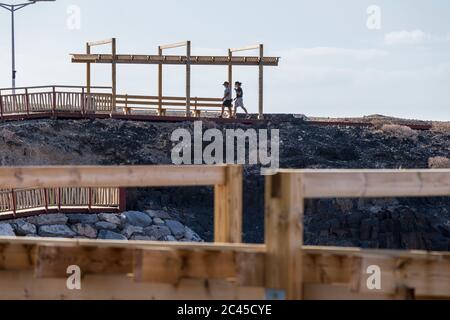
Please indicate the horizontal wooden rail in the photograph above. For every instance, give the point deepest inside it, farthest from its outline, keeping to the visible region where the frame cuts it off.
(15, 203)
(226, 179)
(372, 183)
(104, 176)
(329, 273)
(76, 101)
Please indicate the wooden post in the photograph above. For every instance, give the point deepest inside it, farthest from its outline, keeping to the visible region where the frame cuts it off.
(188, 79)
(59, 199)
(14, 202)
(27, 102)
(160, 81)
(228, 207)
(46, 199)
(114, 76)
(83, 102)
(88, 72)
(284, 234)
(89, 199)
(230, 68)
(261, 83)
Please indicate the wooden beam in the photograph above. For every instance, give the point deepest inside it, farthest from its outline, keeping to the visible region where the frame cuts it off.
(255, 47)
(104, 176)
(52, 261)
(284, 234)
(88, 72)
(160, 81)
(228, 207)
(175, 60)
(188, 79)
(373, 183)
(230, 67)
(426, 274)
(100, 42)
(114, 75)
(170, 266)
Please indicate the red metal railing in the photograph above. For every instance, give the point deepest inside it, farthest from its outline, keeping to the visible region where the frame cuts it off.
(16, 203)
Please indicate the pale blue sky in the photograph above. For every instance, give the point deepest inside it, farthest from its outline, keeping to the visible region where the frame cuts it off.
(332, 64)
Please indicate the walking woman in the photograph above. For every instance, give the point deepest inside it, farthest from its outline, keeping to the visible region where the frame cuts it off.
(239, 100)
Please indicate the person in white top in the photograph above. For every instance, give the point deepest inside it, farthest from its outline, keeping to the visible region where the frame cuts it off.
(227, 100)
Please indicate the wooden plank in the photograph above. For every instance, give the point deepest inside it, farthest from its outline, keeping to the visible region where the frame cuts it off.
(426, 274)
(175, 60)
(245, 268)
(284, 234)
(374, 183)
(101, 42)
(104, 176)
(228, 207)
(261, 83)
(52, 261)
(188, 79)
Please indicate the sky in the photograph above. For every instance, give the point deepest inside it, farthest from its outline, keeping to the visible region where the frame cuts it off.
(338, 58)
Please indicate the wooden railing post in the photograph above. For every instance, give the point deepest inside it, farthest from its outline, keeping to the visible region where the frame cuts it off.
(83, 101)
(122, 199)
(27, 102)
(284, 235)
(228, 207)
(14, 202)
(89, 199)
(54, 101)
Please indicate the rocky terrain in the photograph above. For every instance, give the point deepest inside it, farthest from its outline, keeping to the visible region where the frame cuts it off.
(378, 223)
(132, 225)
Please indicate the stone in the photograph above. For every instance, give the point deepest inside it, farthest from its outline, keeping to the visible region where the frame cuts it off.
(49, 219)
(176, 228)
(190, 235)
(158, 232)
(109, 235)
(82, 218)
(158, 221)
(62, 231)
(137, 218)
(6, 230)
(103, 225)
(130, 230)
(85, 230)
(158, 214)
(110, 217)
(24, 228)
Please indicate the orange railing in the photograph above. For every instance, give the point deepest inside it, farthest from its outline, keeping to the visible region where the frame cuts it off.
(62, 100)
(15, 203)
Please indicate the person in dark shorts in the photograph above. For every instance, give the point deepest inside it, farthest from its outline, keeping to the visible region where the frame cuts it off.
(227, 101)
(239, 100)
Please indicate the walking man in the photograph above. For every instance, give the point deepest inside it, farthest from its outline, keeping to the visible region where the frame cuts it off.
(239, 100)
(227, 100)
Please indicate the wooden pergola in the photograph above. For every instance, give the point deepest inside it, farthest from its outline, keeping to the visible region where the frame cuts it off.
(188, 60)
